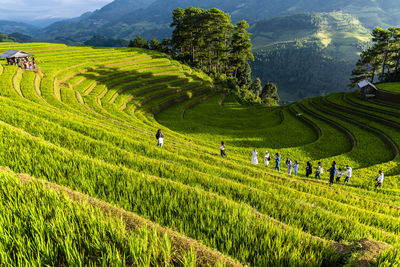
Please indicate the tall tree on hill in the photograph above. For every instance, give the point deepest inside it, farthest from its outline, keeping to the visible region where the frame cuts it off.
(243, 75)
(216, 39)
(240, 46)
(396, 49)
(367, 66)
(208, 40)
(382, 38)
(382, 57)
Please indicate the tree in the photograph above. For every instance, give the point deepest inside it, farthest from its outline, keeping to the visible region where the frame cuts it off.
(139, 42)
(244, 75)
(382, 37)
(240, 46)
(369, 63)
(166, 46)
(382, 57)
(396, 49)
(269, 94)
(256, 87)
(206, 39)
(154, 44)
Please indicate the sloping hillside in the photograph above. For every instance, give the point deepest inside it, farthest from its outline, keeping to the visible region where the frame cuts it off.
(308, 54)
(85, 122)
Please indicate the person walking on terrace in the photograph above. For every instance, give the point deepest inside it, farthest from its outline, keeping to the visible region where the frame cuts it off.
(277, 162)
(348, 173)
(379, 179)
(296, 167)
(332, 173)
(160, 138)
(289, 165)
(267, 158)
(339, 175)
(319, 170)
(222, 148)
(308, 169)
(254, 157)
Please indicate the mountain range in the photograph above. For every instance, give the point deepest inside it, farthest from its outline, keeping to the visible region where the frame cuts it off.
(314, 43)
(127, 18)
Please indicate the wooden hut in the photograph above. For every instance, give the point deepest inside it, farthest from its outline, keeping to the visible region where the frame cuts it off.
(367, 89)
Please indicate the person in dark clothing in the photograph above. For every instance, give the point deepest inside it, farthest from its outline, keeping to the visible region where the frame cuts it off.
(222, 149)
(332, 173)
(308, 169)
(160, 138)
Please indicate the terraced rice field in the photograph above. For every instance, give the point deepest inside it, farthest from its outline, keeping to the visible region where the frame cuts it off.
(99, 191)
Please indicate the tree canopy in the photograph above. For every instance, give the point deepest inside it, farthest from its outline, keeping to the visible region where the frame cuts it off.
(207, 40)
(382, 60)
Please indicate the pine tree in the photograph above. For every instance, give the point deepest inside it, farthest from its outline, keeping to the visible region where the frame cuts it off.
(240, 46)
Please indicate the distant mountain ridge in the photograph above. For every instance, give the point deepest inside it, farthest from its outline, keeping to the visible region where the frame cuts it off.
(8, 27)
(127, 18)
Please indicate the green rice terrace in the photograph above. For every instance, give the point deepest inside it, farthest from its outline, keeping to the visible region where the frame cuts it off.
(390, 87)
(84, 183)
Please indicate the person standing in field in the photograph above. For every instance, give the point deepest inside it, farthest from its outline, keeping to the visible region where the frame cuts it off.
(160, 138)
(254, 157)
(222, 148)
(319, 170)
(296, 167)
(348, 173)
(379, 179)
(339, 174)
(277, 161)
(332, 173)
(267, 158)
(308, 169)
(289, 165)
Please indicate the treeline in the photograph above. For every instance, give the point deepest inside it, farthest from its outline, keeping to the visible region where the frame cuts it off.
(381, 61)
(207, 40)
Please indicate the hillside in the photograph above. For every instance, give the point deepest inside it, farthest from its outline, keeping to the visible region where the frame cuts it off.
(126, 19)
(12, 26)
(82, 128)
(7, 38)
(307, 54)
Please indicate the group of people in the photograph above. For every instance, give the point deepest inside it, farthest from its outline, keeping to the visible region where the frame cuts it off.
(23, 63)
(347, 172)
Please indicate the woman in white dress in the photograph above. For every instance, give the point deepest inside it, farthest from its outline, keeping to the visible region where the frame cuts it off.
(254, 158)
(267, 158)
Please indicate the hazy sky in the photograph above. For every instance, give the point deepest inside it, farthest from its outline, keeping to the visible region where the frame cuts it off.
(37, 9)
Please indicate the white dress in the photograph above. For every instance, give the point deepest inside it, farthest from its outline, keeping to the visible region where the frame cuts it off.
(254, 159)
(266, 160)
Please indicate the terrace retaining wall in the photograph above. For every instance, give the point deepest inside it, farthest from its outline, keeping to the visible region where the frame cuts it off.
(387, 96)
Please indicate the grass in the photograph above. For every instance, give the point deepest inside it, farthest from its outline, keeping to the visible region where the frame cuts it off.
(88, 123)
(390, 87)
